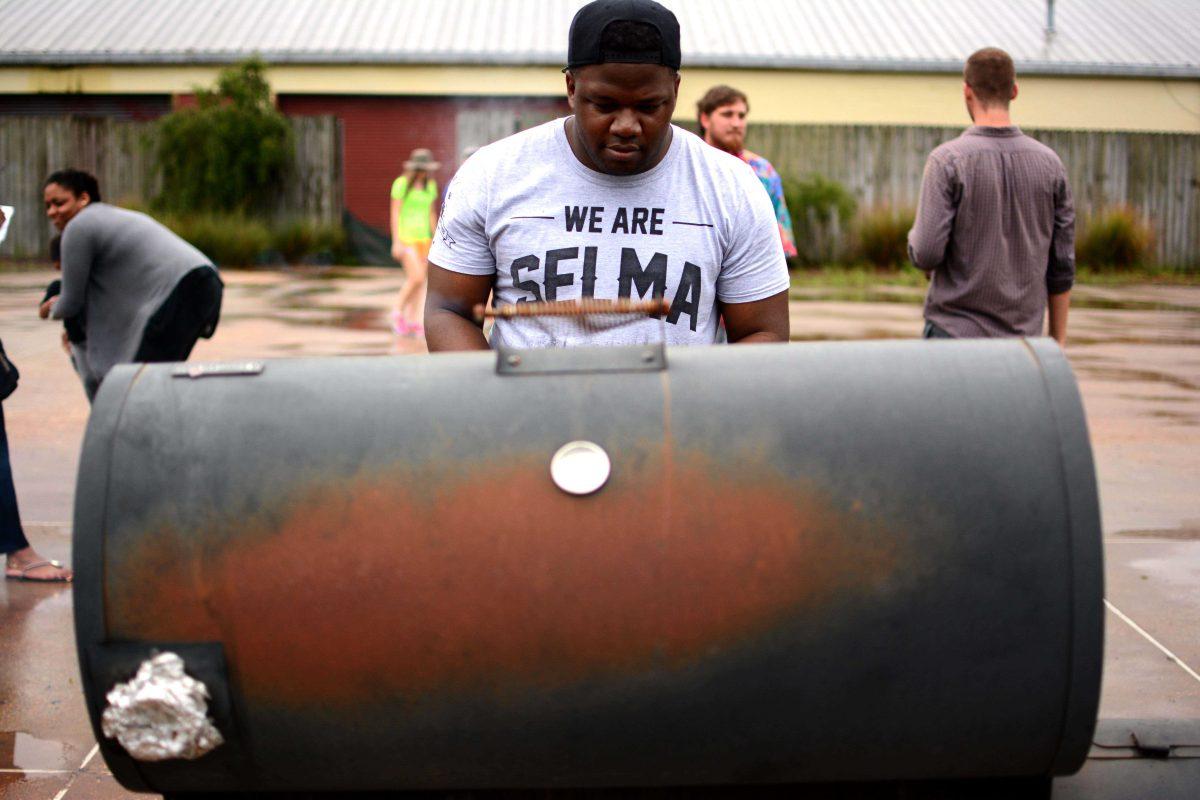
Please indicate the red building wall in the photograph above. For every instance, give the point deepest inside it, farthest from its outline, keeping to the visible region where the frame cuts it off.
(379, 133)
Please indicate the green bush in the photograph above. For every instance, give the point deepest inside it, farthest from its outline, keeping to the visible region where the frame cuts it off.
(1115, 238)
(821, 210)
(230, 152)
(293, 240)
(230, 240)
(333, 245)
(300, 239)
(881, 236)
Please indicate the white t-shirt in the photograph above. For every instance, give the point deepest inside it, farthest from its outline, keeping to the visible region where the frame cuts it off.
(696, 228)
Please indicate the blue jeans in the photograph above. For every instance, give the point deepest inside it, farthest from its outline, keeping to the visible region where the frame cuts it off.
(12, 537)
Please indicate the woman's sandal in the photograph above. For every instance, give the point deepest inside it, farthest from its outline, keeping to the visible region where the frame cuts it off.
(400, 325)
(22, 573)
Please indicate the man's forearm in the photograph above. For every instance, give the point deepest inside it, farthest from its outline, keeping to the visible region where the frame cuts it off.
(449, 310)
(760, 337)
(447, 331)
(1059, 305)
(758, 322)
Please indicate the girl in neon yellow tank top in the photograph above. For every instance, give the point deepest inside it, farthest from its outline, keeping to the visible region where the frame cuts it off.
(413, 220)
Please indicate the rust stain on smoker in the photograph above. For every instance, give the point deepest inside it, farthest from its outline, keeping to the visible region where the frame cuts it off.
(492, 580)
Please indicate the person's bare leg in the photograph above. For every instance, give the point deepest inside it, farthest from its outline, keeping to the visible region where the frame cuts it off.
(420, 303)
(18, 560)
(404, 299)
(418, 278)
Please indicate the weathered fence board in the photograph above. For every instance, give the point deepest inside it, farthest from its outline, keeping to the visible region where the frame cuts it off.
(118, 153)
(1156, 174)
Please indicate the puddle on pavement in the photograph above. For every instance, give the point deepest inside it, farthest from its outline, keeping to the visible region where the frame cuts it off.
(322, 273)
(864, 335)
(1107, 304)
(254, 290)
(1184, 533)
(31, 284)
(40, 785)
(1133, 375)
(42, 597)
(1165, 340)
(301, 292)
(1175, 416)
(355, 319)
(908, 294)
(855, 296)
(19, 750)
(1157, 398)
(359, 319)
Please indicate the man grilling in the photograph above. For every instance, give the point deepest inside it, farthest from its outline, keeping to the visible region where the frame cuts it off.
(611, 203)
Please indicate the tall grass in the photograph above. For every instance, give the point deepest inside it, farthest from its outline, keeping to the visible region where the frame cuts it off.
(821, 210)
(299, 241)
(1115, 238)
(230, 240)
(881, 236)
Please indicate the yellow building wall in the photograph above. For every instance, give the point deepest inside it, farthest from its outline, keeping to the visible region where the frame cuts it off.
(777, 96)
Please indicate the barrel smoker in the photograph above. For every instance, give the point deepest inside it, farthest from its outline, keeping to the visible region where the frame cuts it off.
(591, 567)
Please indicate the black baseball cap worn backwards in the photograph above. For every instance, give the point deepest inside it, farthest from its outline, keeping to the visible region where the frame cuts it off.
(583, 43)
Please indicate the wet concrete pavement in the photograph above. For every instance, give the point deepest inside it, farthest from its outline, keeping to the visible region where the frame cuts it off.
(1136, 352)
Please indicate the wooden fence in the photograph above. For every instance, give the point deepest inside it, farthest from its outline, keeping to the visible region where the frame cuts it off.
(117, 152)
(1157, 174)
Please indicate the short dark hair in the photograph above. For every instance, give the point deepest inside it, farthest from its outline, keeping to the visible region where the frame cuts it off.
(716, 97)
(991, 75)
(77, 181)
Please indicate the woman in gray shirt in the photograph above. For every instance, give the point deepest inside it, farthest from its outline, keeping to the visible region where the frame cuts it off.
(143, 293)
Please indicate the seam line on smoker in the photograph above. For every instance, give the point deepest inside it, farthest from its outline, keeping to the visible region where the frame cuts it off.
(1152, 640)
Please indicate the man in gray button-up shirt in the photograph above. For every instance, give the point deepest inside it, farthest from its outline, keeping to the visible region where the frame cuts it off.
(995, 226)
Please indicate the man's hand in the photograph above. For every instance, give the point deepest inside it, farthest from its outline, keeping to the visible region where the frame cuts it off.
(1059, 304)
(45, 308)
(450, 307)
(763, 320)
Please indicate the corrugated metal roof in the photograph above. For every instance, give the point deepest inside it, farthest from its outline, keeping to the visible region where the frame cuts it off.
(1093, 37)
